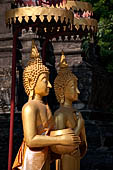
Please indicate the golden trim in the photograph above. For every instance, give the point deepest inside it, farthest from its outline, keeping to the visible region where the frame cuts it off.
(86, 22)
(32, 12)
(79, 5)
(41, 12)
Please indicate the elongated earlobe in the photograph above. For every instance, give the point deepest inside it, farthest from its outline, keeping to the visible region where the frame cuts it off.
(31, 89)
(62, 99)
(31, 94)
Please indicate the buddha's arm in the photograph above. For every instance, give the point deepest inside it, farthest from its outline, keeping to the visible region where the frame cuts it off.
(80, 131)
(83, 145)
(29, 118)
(59, 121)
(31, 137)
(80, 125)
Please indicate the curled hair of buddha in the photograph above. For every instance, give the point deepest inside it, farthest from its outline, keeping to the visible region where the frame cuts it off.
(62, 79)
(32, 71)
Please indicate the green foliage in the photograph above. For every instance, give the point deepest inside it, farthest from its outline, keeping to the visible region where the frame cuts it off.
(104, 14)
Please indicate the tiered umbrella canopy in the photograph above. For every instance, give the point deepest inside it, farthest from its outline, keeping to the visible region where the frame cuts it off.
(53, 16)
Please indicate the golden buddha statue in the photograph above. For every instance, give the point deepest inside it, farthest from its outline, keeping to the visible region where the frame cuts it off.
(37, 119)
(66, 116)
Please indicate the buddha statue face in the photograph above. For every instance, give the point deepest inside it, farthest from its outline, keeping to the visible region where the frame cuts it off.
(36, 75)
(71, 91)
(42, 85)
(65, 84)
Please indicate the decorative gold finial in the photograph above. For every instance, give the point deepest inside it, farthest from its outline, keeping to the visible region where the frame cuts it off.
(63, 62)
(34, 51)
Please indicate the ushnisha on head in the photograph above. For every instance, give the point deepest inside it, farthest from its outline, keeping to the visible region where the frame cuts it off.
(63, 80)
(32, 71)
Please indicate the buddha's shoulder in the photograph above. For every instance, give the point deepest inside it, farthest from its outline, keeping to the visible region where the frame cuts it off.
(59, 112)
(30, 106)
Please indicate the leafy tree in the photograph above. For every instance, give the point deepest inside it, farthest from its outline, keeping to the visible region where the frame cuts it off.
(104, 14)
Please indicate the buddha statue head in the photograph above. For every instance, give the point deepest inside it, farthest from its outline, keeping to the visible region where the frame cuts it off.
(36, 75)
(65, 84)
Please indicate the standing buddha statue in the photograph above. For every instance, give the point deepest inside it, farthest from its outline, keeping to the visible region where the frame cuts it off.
(37, 119)
(66, 116)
